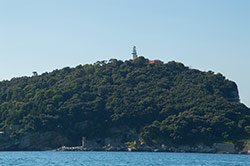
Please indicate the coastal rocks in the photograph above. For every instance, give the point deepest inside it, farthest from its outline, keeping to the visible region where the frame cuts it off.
(172, 148)
(245, 150)
(137, 146)
(65, 148)
(44, 141)
(52, 140)
(35, 141)
(224, 148)
(8, 146)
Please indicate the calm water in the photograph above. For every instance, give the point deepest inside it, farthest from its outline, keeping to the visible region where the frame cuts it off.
(119, 159)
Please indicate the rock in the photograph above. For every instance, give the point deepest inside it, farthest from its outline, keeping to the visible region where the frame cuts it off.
(35, 141)
(224, 148)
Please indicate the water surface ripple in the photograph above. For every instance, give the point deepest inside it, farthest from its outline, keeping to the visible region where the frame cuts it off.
(119, 159)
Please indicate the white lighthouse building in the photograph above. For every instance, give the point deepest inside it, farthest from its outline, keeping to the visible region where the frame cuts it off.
(134, 53)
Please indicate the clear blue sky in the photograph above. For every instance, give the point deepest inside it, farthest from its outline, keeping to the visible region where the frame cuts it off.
(43, 35)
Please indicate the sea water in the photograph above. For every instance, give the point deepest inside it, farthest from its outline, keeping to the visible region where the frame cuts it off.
(120, 159)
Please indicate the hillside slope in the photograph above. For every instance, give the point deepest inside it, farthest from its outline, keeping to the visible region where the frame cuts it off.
(122, 102)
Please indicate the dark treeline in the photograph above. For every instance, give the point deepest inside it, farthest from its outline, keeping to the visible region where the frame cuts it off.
(154, 103)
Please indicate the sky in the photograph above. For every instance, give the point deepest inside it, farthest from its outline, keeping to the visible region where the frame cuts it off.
(43, 35)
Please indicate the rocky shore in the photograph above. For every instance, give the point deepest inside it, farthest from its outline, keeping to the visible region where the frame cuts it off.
(216, 148)
(50, 141)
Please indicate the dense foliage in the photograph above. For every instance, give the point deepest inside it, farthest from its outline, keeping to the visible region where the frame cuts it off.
(156, 103)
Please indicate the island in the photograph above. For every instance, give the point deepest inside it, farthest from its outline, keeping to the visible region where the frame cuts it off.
(132, 105)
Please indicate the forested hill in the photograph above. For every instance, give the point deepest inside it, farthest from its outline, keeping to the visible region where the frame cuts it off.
(132, 100)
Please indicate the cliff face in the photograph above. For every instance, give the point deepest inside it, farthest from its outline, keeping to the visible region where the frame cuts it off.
(34, 141)
(154, 104)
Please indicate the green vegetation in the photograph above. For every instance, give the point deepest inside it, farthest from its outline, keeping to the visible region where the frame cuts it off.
(155, 103)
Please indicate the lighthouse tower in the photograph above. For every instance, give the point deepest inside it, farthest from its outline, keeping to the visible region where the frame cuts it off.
(134, 53)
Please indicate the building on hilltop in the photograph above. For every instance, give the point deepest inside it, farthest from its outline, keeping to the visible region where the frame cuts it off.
(134, 56)
(156, 61)
(134, 53)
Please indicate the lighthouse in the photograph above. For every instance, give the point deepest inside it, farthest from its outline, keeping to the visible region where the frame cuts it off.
(134, 53)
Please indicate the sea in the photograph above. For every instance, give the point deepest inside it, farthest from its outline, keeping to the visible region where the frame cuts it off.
(120, 159)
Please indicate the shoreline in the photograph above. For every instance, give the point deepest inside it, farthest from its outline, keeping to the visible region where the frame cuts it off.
(210, 150)
(122, 151)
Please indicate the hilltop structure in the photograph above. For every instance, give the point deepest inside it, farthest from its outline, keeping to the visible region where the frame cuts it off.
(134, 53)
(134, 56)
(155, 61)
